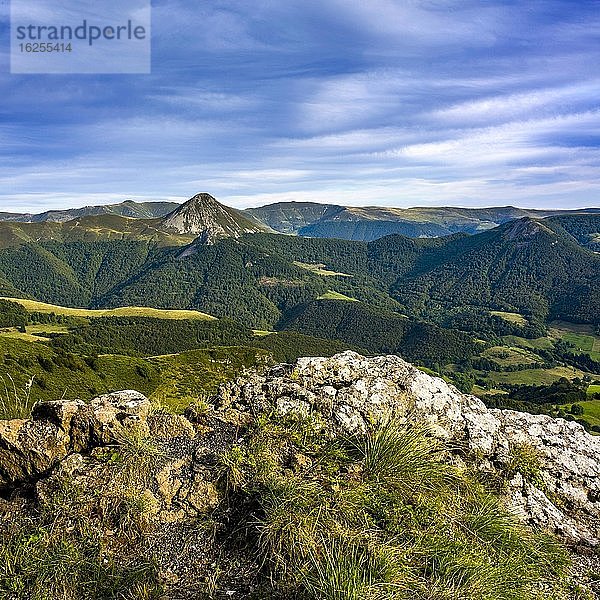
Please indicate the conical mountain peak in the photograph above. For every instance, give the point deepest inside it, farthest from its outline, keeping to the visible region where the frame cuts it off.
(207, 218)
(525, 228)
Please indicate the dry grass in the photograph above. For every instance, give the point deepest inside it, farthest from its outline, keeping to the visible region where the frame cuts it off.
(126, 311)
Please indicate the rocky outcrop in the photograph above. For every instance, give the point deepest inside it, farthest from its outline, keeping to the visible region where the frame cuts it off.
(550, 468)
(29, 448)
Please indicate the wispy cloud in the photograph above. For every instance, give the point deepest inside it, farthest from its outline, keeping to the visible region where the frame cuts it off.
(388, 102)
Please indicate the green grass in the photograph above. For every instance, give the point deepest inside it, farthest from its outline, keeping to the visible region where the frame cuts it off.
(584, 343)
(189, 376)
(508, 356)
(510, 317)
(176, 380)
(591, 410)
(18, 335)
(532, 376)
(47, 329)
(319, 269)
(126, 311)
(593, 389)
(383, 515)
(541, 343)
(332, 295)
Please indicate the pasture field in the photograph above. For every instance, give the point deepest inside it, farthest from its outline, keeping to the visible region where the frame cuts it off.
(510, 316)
(331, 295)
(126, 311)
(507, 356)
(319, 269)
(532, 376)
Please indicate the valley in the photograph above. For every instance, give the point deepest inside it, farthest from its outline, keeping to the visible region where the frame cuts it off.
(506, 313)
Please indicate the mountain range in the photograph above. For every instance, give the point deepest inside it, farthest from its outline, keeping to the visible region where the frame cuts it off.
(370, 223)
(230, 266)
(204, 216)
(129, 208)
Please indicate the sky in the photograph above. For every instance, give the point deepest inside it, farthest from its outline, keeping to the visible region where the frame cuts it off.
(356, 102)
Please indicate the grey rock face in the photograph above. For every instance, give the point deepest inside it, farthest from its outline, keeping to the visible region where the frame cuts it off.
(561, 461)
(210, 220)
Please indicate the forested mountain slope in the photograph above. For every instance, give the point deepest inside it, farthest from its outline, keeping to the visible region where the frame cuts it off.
(532, 267)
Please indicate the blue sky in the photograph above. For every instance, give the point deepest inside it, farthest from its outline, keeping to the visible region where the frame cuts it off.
(372, 102)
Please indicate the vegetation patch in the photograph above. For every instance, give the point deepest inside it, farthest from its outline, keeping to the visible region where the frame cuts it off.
(126, 311)
(510, 317)
(383, 515)
(320, 269)
(507, 356)
(332, 295)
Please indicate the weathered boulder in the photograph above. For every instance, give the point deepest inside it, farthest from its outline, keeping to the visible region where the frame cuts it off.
(30, 447)
(559, 488)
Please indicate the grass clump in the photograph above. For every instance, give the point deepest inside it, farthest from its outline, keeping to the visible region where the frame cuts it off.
(383, 515)
(87, 537)
(15, 403)
(526, 460)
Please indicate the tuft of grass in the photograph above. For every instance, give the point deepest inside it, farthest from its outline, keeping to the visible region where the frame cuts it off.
(136, 455)
(383, 515)
(407, 458)
(526, 460)
(15, 403)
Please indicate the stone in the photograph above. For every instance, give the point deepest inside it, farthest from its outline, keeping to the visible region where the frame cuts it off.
(350, 392)
(29, 448)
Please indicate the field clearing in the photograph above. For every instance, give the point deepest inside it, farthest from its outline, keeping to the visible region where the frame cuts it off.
(582, 336)
(510, 317)
(34, 333)
(331, 295)
(46, 328)
(126, 311)
(533, 376)
(593, 389)
(584, 343)
(541, 343)
(565, 326)
(24, 337)
(319, 269)
(591, 411)
(507, 356)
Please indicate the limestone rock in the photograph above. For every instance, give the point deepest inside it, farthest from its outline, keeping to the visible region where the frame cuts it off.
(30, 447)
(350, 391)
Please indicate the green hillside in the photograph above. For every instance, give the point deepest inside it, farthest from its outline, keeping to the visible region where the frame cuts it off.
(380, 332)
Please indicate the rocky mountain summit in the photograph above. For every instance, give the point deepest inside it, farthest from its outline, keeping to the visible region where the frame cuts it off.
(183, 482)
(210, 220)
